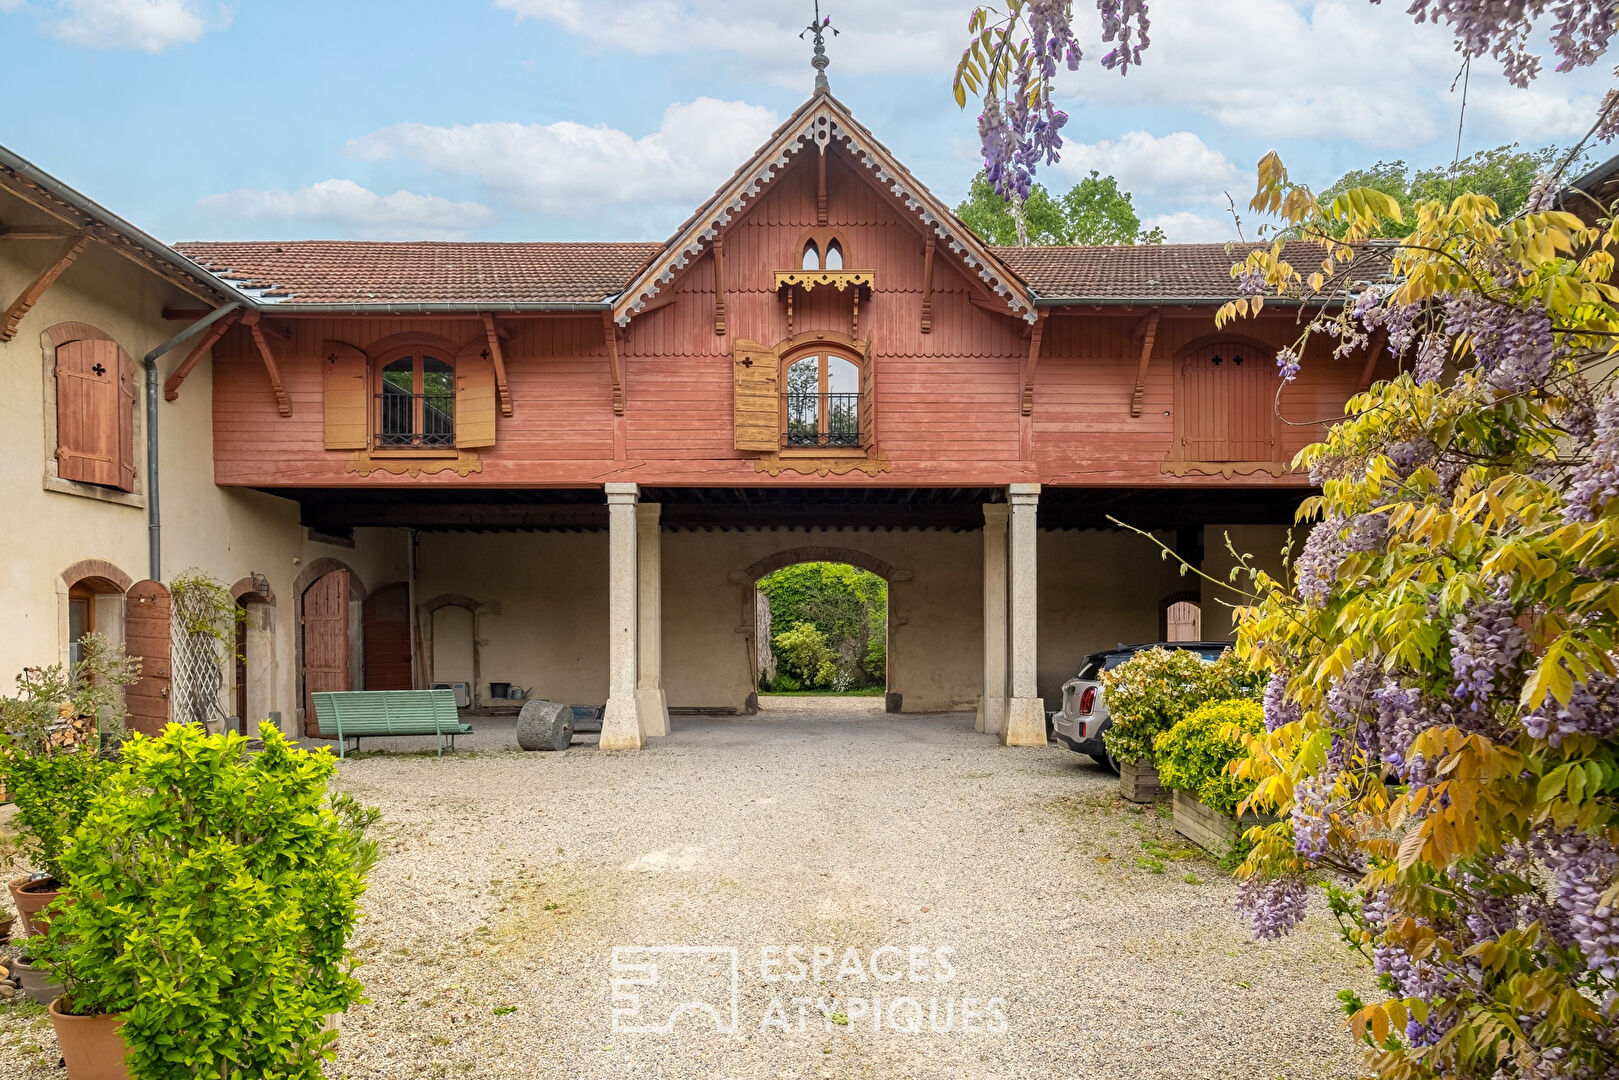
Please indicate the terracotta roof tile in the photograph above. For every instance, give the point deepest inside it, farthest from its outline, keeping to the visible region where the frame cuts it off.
(361, 272)
(1141, 271)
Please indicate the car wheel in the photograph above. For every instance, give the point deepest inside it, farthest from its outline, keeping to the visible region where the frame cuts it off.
(1106, 758)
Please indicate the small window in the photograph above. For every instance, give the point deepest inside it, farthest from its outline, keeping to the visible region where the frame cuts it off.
(416, 403)
(834, 256)
(821, 405)
(812, 257)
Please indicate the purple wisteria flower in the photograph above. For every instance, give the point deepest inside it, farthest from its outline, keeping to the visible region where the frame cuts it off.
(1596, 482)
(1273, 906)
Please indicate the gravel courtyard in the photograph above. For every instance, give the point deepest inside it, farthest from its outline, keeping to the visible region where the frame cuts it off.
(1057, 932)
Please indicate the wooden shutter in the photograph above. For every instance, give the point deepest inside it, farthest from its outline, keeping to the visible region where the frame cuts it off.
(1227, 407)
(87, 430)
(326, 641)
(475, 401)
(126, 421)
(347, 397)
(757, 382)
(147, 631)
(868, 400)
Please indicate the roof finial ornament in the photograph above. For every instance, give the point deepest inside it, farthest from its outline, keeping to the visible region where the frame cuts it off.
(819, 27)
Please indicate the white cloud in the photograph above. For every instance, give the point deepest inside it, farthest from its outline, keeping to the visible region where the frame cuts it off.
(573, 170)
(896, 35)
(357, 211)
(1185, 227)
(1177, 167)
(144, 25)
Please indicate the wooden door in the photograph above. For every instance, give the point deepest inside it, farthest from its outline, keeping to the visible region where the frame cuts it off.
(241, 673)
(1183, 621)
(1227, 398)
(326, 641)
(147, 620)
(386, 625)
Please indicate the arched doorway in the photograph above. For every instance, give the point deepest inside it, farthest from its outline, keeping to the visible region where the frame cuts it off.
(1180, 617)
(253, 693)
(820, 620)
(450, 653)
(326, 590)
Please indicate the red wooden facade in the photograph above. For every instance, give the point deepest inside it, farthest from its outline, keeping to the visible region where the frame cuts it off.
(966, 391)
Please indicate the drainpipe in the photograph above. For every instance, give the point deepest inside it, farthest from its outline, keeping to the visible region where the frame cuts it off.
(154, 516)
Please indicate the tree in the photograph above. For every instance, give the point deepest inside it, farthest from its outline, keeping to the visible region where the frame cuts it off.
(1506, 175)
(846, 607)
(1094, 211)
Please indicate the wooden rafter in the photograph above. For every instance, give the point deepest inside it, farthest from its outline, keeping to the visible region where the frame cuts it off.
(1034, 362)
(38, 232)
(282, 401)
(719, 287)
(498, 358)
(171, 386)
(927, 285)
(35, 289)
(1148, 332)
(611, 332)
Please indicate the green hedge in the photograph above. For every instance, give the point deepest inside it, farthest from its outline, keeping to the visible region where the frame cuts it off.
(1149, 693)
(1194, 754)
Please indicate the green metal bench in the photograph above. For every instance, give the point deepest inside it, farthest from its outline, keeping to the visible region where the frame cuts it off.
(350, 714)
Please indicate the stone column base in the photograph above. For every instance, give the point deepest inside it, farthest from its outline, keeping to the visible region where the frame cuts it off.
(991, 715)
(621, 725)
(653, 708)
(1025, 722)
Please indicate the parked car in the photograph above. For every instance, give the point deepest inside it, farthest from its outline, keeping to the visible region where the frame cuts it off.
(1083, 717)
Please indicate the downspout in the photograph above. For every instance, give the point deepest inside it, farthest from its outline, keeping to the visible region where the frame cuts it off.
(154, 515)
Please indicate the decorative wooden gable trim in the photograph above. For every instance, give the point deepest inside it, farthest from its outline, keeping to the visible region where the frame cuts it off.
(35, 289)
(1034, 363)
(171, 385)
(498, 359)
(1148, 332)
(615, 367)
(819, 122)
(283, 403)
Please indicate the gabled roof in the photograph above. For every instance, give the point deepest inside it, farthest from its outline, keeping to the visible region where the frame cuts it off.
(77, 211)
(347, 272)
(819, 122)
(1141, 273)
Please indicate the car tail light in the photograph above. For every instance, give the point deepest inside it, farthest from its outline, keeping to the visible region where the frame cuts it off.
(1087, 701)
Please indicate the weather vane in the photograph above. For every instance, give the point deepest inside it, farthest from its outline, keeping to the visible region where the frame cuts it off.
(819, 27)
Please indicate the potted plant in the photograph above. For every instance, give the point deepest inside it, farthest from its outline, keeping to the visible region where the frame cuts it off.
(1195, 759)
(213, 893)
(51, 763)
(1148, 694)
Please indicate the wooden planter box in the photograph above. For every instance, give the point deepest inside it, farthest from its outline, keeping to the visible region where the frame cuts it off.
(1211, 831)
(1138, 783)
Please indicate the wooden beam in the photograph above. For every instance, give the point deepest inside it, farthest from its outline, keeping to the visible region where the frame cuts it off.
(171, 386)
(1379, 341)
(1149, 334)
(35, 289)
(820, 192)
(719, 287)
(1034, 362)
(611, 332)
(995, 306)
(492, 332)
(37, 232)
(282, 401)
(927, 285)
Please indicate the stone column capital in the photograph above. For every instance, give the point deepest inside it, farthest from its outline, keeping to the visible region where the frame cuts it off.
(648, 513)
(1023, 494)
(622, 493)
(995, 515)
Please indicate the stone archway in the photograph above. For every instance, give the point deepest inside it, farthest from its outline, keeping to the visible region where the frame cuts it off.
(427, 641)
(253, 678)
(748, 577)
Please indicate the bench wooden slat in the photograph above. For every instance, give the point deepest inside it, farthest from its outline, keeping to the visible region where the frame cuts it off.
(352, 714)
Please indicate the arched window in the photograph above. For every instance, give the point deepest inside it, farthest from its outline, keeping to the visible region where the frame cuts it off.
(812, 256)
(834, 256)
(822, 251)
(415, 397)
(822, 401)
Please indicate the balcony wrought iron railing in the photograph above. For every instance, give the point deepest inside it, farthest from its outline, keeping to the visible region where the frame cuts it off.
(822, 419)
(408, 421)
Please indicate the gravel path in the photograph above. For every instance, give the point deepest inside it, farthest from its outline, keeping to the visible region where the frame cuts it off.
(1110, 949)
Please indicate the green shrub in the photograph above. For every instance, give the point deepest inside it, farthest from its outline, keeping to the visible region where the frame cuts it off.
(213, 894)
(53, 795)
(47, 697)
(806, 655)
(1149, 693)
(1193, 755)
(848, 605)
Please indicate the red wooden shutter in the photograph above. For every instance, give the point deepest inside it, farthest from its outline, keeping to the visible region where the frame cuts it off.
(326, 642)
(147, 636)
(868, 399)
(126, 421)
(474, 397)
(1227, 405)
(346, 398)
(87, 429)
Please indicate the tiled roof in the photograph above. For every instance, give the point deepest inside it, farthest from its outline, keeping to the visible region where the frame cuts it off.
(361, 272)
(1141, 271)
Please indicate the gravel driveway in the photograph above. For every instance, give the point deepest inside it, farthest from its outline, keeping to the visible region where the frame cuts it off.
(1052, 930)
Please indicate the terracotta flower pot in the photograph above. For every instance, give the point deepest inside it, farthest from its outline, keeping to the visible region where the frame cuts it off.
(30, 902)
(92, 1046)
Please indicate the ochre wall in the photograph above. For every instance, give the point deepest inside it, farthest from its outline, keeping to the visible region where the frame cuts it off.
(223, 532)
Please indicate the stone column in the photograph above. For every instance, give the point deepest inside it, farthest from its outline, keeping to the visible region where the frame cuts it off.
(1025, 712)
(992, 703)
(621, 723)
(650, 702)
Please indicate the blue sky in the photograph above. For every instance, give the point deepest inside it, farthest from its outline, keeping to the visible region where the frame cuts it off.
(595, 119)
